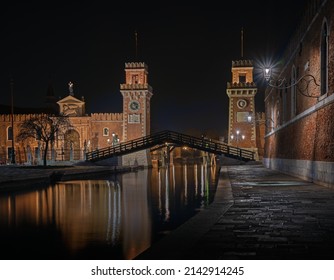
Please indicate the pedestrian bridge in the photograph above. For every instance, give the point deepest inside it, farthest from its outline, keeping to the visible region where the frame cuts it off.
(170, 138)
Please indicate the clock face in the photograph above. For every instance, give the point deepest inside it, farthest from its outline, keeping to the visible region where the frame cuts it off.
(134, 105)
(242, 103)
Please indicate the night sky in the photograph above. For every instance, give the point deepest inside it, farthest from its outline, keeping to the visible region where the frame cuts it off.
(188, 49)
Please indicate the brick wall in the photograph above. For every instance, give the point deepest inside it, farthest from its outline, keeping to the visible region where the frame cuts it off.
(305, 136)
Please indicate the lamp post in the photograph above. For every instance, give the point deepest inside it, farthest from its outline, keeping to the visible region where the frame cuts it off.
(237, 138)
(283, 83)
(250, 119)
(115, 138)
(12, 119)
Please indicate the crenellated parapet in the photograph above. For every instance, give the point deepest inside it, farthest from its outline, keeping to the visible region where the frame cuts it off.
(260, 116)
(242, 63)
(17, 117)
(136, 65)
(107, 117)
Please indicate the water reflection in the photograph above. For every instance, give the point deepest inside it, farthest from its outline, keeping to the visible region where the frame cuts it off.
(113, 218)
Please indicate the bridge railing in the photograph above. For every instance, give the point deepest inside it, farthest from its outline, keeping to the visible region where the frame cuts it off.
(209, 145)
(127, 147)
(170, 137)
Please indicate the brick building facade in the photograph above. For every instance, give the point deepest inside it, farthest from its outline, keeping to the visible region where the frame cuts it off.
(300, 106)
(90, 131)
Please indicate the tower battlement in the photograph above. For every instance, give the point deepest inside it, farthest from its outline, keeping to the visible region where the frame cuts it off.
(136, 65)
(242, 63)
(18, 117)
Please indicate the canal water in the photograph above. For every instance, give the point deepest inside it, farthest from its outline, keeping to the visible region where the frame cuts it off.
(115, 217)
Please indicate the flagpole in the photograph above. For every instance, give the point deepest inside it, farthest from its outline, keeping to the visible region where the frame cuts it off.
(12, 119)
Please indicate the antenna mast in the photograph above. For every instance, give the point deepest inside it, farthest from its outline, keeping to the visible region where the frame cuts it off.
(136, 44)
(242, 42)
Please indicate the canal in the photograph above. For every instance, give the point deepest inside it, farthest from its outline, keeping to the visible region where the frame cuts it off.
(115, 217)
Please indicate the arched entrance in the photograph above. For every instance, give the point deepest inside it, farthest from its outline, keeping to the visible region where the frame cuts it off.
(72, 145)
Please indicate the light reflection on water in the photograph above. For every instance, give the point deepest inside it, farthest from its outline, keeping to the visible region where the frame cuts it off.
(114, 218)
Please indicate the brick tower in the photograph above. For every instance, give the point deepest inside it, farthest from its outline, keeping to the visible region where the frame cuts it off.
(137, 94)
(241, 92)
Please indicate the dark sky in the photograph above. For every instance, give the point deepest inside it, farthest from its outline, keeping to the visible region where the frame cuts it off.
(188, 49)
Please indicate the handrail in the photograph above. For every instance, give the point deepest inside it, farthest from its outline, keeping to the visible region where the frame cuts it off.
(170, 137)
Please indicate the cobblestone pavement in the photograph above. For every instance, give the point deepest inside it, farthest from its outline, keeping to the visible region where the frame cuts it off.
(267, 215)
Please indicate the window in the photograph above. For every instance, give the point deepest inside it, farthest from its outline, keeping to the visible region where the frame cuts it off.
(324, 58)
(242, 78)
(272, 112)
(106, 131)
(9, 133)
(284, 118)
(277, 111)
(135, 79)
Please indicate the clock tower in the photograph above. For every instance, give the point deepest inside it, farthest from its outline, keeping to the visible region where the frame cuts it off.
(136, 94)
(241, 92)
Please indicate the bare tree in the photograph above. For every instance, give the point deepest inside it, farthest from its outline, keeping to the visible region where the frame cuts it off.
(45, 128)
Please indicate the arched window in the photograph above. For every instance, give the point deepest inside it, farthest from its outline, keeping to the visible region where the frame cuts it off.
(293, 92)
(272, 112)
(9, 133)
(277, 112)
(324, 58)
(283, 94)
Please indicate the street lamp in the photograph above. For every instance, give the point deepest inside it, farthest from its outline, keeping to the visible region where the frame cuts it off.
(282, 83)
(12, 119)
(251, 118)
(115, 139)
(267, 73)
(237, 138)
